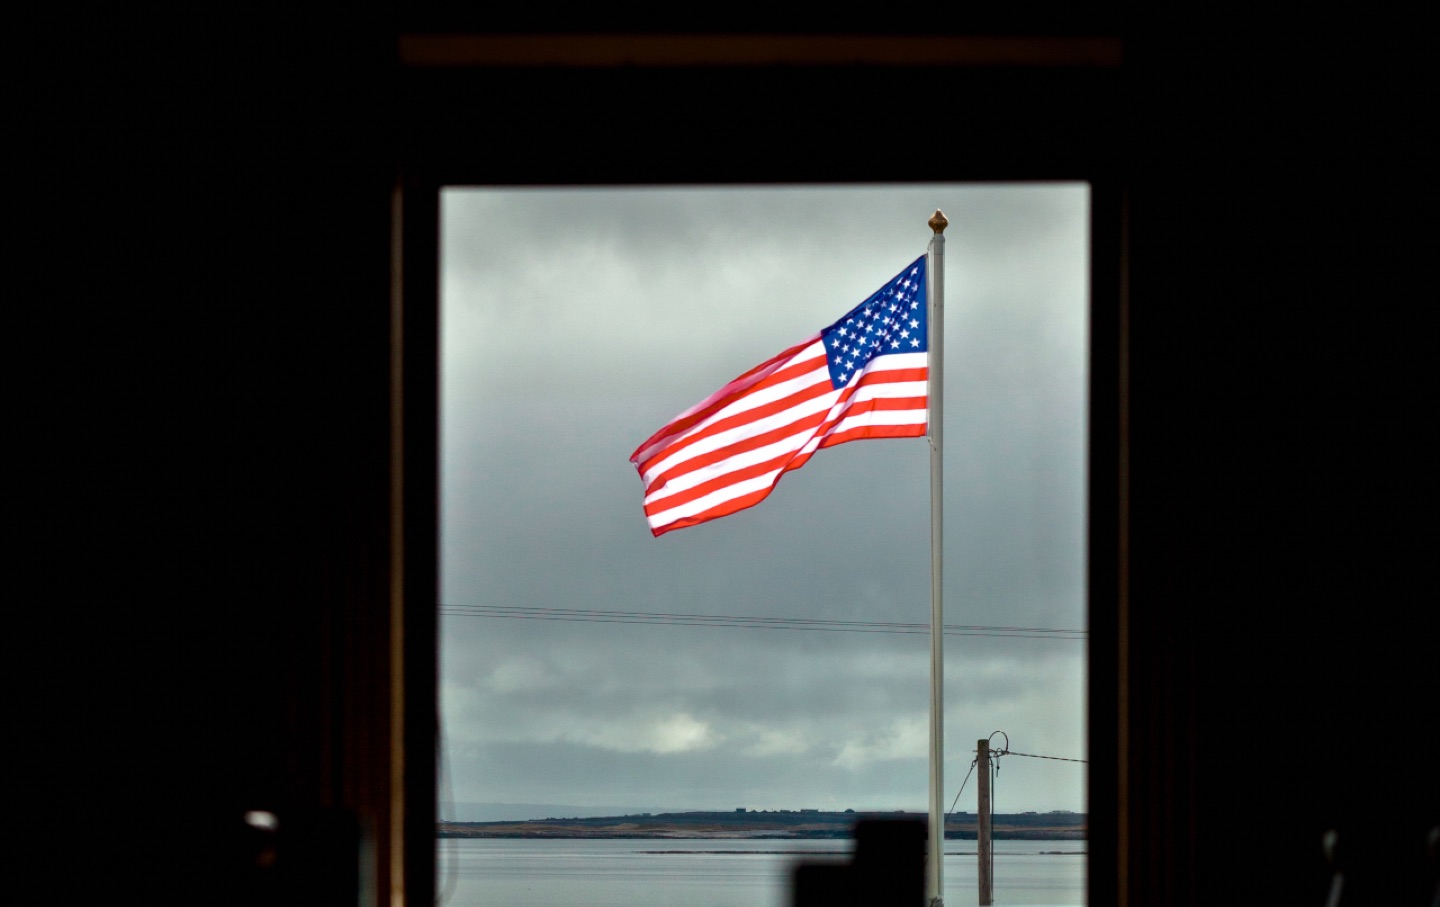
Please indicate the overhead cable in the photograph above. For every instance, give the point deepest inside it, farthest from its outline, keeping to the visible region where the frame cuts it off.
(587, 615)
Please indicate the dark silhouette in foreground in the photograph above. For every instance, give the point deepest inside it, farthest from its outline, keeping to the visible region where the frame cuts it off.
(888, 868)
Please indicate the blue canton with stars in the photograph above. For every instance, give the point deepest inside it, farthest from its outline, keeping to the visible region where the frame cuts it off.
(892, 320)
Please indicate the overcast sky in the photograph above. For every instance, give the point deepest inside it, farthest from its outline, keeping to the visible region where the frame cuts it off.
(577, 322)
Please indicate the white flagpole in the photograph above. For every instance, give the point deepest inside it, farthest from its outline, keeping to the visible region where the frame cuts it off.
(934, 878)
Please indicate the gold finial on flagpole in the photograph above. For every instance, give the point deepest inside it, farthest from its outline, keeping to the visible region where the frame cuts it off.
(938, 223)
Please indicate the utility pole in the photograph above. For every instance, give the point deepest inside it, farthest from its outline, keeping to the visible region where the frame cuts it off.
(982, 817)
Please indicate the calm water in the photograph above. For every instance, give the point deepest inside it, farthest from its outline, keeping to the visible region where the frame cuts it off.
(724, 873)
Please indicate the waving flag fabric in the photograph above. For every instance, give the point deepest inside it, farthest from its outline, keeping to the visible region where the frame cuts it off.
(865, 376)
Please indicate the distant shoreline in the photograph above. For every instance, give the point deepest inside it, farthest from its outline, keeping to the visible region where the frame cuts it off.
(764, 824)
(833, 853)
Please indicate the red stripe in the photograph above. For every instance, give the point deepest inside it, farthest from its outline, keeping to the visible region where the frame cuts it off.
(885, 404)
(915, 430)
(859, 408)
(830, 431)
(719, 482)
(750, 499)
(750, 443)
(821, 387)
(745, 444)
(821, 426)
(787, 373)
(757, 377)
(785, 462)
(732, 506)
(793, 459)
(891, 376)
(739, 420)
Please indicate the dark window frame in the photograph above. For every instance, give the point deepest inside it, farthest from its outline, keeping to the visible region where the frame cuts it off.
(577, 114)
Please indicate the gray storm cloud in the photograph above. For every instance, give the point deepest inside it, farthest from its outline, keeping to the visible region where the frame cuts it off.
(575, 323)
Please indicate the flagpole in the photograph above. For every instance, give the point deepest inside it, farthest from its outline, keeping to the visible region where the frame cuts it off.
(934, 878)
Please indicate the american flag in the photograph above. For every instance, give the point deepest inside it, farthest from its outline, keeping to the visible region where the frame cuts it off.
(865, 376)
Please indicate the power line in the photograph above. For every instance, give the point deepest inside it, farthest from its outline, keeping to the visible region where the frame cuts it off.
(995, 764)
(588, 615)
(1033, 756)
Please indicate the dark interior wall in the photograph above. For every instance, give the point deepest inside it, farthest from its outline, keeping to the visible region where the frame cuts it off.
(204, 246)
(1279, 442)
(208, 229)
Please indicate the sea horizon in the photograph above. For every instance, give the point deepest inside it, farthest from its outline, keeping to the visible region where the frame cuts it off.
(485, 811)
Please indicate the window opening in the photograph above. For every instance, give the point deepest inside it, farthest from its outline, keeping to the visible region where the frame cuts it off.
(774, 661)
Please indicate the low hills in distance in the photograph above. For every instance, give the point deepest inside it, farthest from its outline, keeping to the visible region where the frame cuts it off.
(743, 823)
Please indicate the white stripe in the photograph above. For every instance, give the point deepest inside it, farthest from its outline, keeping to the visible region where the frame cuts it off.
(748, 402)
(689, 480)
(881, 417)
(765, 395)
(714, 499)
(808, 408)
(891, 390)
(724, 495)
(810, 443)
(886, 362)
(881, 363)
(806, 439)
(736, 384)
(876, 391)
